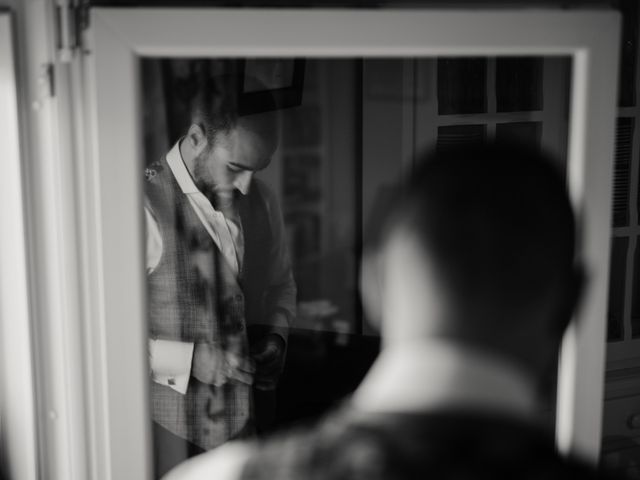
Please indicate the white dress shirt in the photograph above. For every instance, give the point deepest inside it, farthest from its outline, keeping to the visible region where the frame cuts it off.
(423, 377)
(170, 361)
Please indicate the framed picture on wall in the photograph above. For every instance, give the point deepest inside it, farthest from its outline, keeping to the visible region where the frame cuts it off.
(259, 78)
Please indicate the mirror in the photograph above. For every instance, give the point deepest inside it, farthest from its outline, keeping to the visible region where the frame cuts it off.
(343, 132)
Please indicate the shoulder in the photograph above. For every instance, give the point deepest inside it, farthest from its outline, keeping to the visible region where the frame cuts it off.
(327, 448)
(350, 444)
(224, 463)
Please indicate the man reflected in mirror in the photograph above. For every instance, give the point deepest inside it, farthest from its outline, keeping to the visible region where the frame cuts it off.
(221, 294)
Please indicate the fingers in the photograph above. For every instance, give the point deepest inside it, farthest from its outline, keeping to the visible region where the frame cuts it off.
(269, 353)
(270, 349)
(269, 357)
(206, 363)
(240, 376)
(215, 366)
(239, 368)
(226, 373)
(220, 377)
(238, 362)
(268, 371)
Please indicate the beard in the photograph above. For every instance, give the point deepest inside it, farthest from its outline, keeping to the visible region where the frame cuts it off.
(202, 174)
(220, 197)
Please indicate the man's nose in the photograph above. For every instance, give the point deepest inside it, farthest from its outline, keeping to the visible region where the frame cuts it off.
(243, 181)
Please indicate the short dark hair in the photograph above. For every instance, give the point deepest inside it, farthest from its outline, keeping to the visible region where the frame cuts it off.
(496, 221)
(215, 106)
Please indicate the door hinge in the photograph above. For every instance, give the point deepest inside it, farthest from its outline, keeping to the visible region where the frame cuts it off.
(72, 19)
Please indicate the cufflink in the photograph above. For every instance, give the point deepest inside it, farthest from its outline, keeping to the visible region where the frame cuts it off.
(171, 381)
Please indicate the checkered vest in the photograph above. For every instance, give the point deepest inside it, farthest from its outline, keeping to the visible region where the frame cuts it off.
(193, 296)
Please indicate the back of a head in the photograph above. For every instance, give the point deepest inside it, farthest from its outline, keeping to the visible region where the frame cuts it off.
(496, 223)
(218, 105)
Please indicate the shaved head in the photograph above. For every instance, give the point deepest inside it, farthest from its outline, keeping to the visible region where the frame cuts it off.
(486, 239)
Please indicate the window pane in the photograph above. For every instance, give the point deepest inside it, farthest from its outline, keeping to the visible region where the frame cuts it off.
(628, 52)
(452, 136)
(462, 85)
(635, 302)
(616, 288)
(518, 84)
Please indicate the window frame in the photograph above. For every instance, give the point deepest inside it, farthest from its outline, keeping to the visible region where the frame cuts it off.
(18, 423)
(111, 225)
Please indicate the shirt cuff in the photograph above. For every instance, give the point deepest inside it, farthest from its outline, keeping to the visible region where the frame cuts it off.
(170, 363)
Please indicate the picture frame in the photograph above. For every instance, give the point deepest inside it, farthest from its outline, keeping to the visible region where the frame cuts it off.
(283, 79)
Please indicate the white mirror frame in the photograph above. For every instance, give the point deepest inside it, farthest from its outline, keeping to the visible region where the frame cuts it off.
(17, 393)
(113, 227)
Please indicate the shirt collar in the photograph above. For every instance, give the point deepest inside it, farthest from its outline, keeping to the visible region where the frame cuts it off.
(428, 376)
(180, 171)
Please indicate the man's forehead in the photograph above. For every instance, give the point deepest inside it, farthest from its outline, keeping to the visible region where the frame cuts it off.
(252, 151)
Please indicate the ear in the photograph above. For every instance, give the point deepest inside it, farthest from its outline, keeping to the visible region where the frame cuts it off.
(196, 138)
(371, 290)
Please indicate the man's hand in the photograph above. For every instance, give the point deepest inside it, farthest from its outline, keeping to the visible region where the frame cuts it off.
(268, 355)
(215, 366)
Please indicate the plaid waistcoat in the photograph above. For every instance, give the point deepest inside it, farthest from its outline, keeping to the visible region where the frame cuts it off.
(193, 296)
